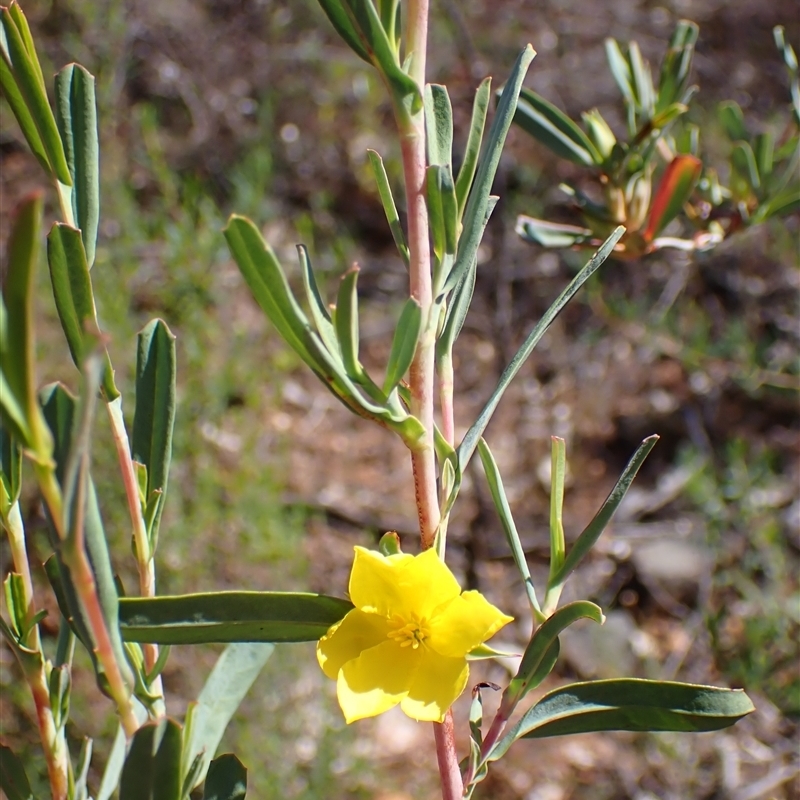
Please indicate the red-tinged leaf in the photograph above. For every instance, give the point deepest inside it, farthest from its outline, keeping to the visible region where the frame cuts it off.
(675, 188)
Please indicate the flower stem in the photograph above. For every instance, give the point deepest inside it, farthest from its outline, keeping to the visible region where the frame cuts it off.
(444, 734)
(421, 374)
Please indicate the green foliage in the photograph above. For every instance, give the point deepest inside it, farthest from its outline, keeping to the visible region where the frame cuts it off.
(155, 756)
(763, 169)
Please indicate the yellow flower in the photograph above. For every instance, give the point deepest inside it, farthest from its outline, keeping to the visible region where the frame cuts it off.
(406, 641)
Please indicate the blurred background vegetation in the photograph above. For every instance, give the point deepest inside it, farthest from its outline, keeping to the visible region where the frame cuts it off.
(254, 106)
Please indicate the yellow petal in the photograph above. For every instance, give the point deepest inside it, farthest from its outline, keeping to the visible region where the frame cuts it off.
(347, 639)
(464, 624)
(401, 584)
(377, 680)
(438, 682)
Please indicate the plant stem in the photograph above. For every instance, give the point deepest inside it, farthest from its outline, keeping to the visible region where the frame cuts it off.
(75, 559)
(144, 556)
(53, 742)
(421, 374)
(444, 734)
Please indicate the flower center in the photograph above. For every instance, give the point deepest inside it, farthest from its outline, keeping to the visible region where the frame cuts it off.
(408, 634)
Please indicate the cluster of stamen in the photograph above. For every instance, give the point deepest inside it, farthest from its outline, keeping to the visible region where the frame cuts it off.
(408, 634)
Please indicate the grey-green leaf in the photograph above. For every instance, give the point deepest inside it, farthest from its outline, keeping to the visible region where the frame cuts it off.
(554, 129)
(346, 323)
(500, 500)
(13, 779)
(230, 617)
(23, 65)
(404, 344)
(234, 673)
(478, 204)
(438, 125)
(76, 115)
(470, 440)
(539, 649)
(628, 704)
(152, 770)
(337, 14)
(387, 200)
(154, 418)
(591, 533)
(551, 234)
(226, 780)
(472, 150)
(60, 409)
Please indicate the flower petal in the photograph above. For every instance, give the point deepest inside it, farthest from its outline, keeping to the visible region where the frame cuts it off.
(437, 683)
(377, 680)
(401, 584)
(346, 640)
(464, 624)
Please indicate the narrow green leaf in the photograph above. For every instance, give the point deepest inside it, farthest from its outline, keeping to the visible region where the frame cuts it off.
(230, 617)
(642, 80)
(599, 132)
(382, 53)
(673, 192)
(628, 704)
(540, 650)
(10, 471)
(76, 116)
(13, 779)
(60, 411)
(732, 120)
(319, 311)
(20, 111)
(591, 533)
(558, 472)
(621, 70)
(72, 291)
(470, 440)
(154, 418)
(404, 344)
(472, 150)
(116, 757)
(82, 770)
(18, 348)
(346, 323)
(478, 206)
(234, 673)
(554, 129)
(336, 12)
(785, 202)
(677, 64)
(500, 500)
(226, 780)
(743, 161)
(438, 125)
(551, 234)
(152, 770)
(790, 59)
(389, 207)
(27, 73)
(264, 275)
(764, 151)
